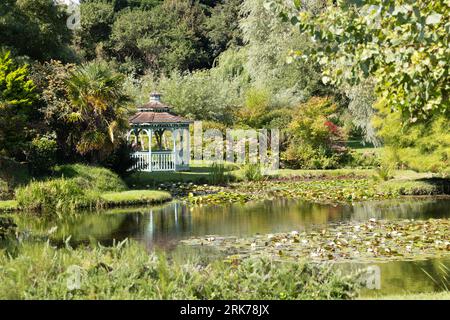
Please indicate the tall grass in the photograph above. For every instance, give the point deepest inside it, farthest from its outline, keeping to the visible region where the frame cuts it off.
(218, 174)
(127, 271)
(58, 194)
(253, 172)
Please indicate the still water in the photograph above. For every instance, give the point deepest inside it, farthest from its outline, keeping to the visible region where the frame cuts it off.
(164, 226)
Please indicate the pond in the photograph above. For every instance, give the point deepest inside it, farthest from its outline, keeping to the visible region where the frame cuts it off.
(164, 226)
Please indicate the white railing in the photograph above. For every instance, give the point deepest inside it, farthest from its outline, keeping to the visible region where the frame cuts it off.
(156, 161)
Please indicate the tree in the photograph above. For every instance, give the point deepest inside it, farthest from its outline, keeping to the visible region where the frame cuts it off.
(402, 44)
(223, 26)
(17, 95)
(98, 17)
(268, 41)
(51, 79)
(99, 109)
(168, 37)
(35, 28)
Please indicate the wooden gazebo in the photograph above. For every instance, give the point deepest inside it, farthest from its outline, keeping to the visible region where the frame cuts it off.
(160, 139)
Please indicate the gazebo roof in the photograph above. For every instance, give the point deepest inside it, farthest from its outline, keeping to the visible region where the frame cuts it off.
(155, 112)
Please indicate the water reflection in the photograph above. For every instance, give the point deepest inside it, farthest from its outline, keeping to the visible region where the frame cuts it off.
(165, 225)
(399, 277)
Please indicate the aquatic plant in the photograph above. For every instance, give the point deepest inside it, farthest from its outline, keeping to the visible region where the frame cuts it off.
(363, 242)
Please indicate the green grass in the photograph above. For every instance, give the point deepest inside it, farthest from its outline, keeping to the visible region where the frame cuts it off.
(416, 187)
(9, 205)
(415, 296)
(199, 173)
(133, 197)
(93, 178)
(128, 271)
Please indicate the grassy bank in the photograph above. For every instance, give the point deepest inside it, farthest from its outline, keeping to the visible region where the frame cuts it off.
(79, 186)
(127, 271)
(416, 296)
(134, 197)
(8, 205)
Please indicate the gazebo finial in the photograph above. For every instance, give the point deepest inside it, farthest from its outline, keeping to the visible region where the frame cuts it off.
(155, 97)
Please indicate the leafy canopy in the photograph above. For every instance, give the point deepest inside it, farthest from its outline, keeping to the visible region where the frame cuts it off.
(17, 94)
(403, 44)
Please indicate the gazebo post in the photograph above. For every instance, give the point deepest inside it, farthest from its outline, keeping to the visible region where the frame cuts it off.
(174, 151)
(150, 162)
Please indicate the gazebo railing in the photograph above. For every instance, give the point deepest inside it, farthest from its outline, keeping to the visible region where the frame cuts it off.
(155, 161)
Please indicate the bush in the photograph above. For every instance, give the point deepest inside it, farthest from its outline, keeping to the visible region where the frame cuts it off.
(120, 160)
(253, 172)
(42, 155)
(316, 141)
(368, 159)
(127, 271)
(422, 146)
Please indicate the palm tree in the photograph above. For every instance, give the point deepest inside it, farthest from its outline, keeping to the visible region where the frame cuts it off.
(100, 108)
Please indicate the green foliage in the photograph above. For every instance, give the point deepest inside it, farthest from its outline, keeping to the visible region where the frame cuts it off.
(56, 194)
(168, 37)
(99, 113)
(78, 186)
(268, 41)
(35, 28)
(404, 45)
(423, 146)
(201, 95)
(134, 197)
(95, 178)
(7, 227)
(223, 26)
(316, 141)
(120, 160)
(253, 172)
(384, 172)
(17, 94)
(95, 28)
(218, 174)
(419, 187)
(42, 155)
(256, 105)
(40, 271)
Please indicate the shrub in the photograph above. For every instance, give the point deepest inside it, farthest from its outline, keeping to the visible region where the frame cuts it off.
(42, 155)
(120, 160)
(421, 146)
(368, 159)
(316, 141)
(253, 172)
(127, 271)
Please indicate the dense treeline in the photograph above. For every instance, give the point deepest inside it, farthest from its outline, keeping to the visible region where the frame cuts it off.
(65, 95)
